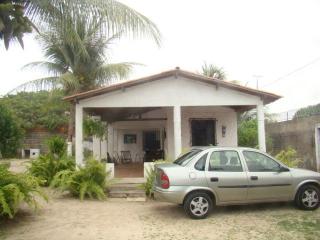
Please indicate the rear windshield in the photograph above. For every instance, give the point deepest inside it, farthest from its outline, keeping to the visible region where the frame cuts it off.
(185, 158)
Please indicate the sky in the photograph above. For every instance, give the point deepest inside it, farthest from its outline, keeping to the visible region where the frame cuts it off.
(276, 42)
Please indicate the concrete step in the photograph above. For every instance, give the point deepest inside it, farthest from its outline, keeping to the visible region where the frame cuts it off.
(127, 194)
(127, 188)
(129, 180)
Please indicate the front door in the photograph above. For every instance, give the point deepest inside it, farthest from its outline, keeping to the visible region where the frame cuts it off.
(152, 145)
(203, 132)
(227, 177)
(266, 181)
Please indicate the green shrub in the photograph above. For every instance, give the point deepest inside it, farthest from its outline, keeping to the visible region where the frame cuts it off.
(88, 181)
(10, 133)
(47, 166)
(289, 157)
(57, 146)
(147, 186)
(16, 188)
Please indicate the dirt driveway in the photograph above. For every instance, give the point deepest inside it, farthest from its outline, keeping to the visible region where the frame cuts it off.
(67, 218)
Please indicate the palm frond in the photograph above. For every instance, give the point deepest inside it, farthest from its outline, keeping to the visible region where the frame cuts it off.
(46, 83)
(48, 67)
(114, 71)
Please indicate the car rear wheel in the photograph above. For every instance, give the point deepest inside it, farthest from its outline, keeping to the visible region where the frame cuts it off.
(198, 205)
(308, 197)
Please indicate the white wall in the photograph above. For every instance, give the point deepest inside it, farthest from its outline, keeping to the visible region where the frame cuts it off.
(172, 91)
(224, 116)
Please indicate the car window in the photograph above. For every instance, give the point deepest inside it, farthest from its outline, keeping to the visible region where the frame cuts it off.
(185, 158)
(201, 163)
(258, 162)
(225, 161)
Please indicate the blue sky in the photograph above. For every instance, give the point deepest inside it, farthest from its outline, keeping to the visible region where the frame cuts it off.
(248, 38)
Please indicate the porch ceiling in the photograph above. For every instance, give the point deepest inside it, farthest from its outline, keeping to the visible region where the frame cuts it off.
(119, 114)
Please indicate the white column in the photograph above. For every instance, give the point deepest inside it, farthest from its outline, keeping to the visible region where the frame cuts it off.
(79, 134)
(177, 130)
(261, 128)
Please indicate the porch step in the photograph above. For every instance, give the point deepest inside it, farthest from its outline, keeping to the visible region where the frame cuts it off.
(127, 188)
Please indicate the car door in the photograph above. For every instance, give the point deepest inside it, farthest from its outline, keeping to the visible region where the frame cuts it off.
(226, 176)
(267, 179)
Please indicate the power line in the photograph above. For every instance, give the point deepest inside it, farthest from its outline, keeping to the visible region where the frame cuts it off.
(294, 71)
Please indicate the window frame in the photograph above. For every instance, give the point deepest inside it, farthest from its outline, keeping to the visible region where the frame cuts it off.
(265, 155)
(205, 164)
(243, 167)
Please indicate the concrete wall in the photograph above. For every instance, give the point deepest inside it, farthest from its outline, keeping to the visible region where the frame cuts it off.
(298, 133)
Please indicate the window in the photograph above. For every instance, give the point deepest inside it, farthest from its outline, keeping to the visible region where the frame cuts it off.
(185, 158)
(225, 161)
(258, 162)
(201, 163)
(129, 138)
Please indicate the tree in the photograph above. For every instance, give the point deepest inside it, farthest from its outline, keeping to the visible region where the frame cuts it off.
(79, 65)
(38, 109)
(21, 16)
(308, 111)
(10, 133)
(213, 71)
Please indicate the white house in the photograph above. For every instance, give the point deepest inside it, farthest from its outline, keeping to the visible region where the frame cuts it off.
(163, 114)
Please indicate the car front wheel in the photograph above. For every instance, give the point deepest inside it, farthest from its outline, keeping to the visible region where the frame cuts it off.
(308, 197)
(198, 205)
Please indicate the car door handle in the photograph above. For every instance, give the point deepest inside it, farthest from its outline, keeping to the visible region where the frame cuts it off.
(214, 179)
(254, 177)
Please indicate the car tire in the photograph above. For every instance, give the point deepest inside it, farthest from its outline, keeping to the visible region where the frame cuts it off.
(198, 205)
(308, 197)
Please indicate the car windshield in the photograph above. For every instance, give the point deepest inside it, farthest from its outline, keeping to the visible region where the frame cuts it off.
(185, 158)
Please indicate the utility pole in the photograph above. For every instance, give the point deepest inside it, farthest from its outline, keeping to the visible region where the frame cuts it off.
(257, 77)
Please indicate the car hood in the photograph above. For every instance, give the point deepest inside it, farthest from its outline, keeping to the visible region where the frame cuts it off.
(297, 172)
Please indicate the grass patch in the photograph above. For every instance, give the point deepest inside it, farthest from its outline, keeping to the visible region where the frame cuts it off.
(308, 225)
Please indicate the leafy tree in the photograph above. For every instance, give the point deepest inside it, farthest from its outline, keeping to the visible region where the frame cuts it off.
(38, 109)
(213, 71)
(248, 133)
(308, 111)
(20, 16)
(10, 133)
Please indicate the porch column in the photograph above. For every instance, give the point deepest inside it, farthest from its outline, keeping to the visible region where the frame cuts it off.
(79, 135)
(177, 130)
(261, 128)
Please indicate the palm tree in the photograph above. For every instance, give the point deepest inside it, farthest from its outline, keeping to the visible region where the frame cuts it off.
(213, 71)
(76, 66)
(18, 17)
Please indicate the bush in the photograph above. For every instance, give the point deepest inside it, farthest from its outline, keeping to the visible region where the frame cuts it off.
(10, 134)
(151, 175)
(57, 146)
(289, 157)
(16, 188)
(46, 166)
(88, 181)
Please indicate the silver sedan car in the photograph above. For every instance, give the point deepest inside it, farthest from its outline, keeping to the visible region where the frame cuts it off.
(209, 176)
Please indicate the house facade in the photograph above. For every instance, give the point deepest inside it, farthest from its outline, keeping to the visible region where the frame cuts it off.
(160, 116)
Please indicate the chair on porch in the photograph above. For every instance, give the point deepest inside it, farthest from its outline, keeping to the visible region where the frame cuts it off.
(126, 157)
(116, 157)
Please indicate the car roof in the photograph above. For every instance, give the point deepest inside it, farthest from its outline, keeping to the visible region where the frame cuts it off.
(222, 148)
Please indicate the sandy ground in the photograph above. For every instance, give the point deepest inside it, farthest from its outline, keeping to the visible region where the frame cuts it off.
(67, 218)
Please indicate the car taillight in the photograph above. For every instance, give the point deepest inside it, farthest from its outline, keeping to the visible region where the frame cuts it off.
(164, 180)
